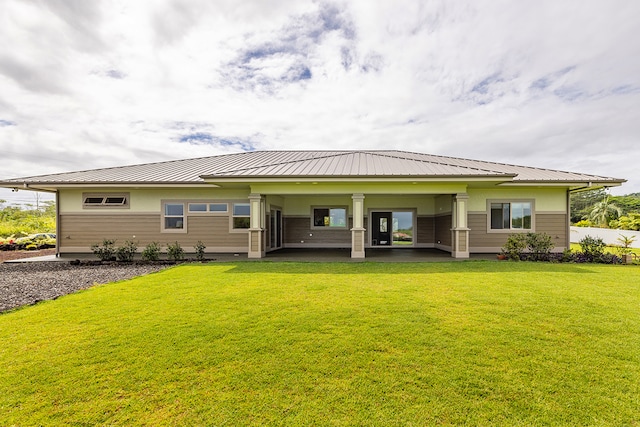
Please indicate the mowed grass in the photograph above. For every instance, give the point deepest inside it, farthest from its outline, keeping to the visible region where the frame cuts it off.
(260, 343)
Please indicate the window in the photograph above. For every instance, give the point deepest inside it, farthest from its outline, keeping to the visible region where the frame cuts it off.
(217, 207)
(105, 200)
(197, 207)
(330, 217)
(207, 208)
(241, 215)
(511, 216)
(173, 218)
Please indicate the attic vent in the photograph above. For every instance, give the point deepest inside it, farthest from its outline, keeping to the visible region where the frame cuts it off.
(120, 200)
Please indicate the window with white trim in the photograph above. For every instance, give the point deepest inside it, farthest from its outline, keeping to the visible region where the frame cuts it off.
(173, 217)
(206, 207)
(105, 200)
(241, 218)
(511, 215)
(329, 217)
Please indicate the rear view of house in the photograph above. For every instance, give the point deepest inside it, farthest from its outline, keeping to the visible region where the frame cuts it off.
(262, 201)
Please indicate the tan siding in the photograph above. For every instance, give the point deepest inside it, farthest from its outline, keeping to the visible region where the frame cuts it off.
(443, 229)
(426, 230)
(554, 225)
(298, 229)
(86, 230)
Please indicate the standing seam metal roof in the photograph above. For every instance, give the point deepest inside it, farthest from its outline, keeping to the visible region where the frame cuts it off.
(289, 164)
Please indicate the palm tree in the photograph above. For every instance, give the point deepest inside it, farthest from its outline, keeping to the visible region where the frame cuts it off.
(604, 211)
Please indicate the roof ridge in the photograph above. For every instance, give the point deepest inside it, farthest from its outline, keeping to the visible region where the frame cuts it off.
(288, 162)
(443, 163)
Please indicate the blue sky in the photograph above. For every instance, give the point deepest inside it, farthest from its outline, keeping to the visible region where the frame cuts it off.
(88, 84)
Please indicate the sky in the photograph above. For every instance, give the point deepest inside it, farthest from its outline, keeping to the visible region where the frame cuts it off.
(89, 84)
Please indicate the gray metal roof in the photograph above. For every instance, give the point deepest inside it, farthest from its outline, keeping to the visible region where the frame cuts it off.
(320, 164)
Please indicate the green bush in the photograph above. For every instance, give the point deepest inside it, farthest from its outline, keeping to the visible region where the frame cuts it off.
(592, 248)
(515, 246)
(151, 252)
(127, 251)
(105, 251)
(199, 248)
(539, 246)
(529, 247)
(175, 251)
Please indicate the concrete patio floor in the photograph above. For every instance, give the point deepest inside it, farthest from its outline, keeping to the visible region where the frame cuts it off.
(310, 255)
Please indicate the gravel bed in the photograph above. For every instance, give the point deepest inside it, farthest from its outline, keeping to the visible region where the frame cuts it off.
(31, 282)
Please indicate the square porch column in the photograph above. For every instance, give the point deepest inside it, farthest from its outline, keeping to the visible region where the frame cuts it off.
(460, 229)
(256, 227)
(358, 230)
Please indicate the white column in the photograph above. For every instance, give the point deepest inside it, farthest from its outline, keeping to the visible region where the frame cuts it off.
(460, 229)
(256, 227)
(358, 230)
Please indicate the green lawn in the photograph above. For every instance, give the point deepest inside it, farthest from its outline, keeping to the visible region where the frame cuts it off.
(261, 343)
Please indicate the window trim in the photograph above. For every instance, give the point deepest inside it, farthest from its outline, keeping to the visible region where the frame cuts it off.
(511, 230)
(329, 227)
(207, 204)
(232, 216)
(163, 215)
(103, 204)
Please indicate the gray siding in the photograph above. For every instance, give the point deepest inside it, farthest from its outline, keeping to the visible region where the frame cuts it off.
(298, 230)
(77, 230)
(426, 232)
(443, 229)
(554, 225)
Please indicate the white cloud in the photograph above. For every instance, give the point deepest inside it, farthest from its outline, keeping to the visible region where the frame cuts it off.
(93, 84)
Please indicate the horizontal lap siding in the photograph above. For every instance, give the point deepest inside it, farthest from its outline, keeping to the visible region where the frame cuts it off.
(426, 230)
(555, 225)
(443, 230)
(298, 230)
(86, 230)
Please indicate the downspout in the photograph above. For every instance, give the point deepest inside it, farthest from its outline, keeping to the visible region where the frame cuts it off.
(58, 234)
(569, 191)
(568, 232)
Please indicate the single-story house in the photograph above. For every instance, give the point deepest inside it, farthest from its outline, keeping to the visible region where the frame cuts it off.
(262, 201)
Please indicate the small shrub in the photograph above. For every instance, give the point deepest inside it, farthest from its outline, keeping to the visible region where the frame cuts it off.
(175, 251)
(199, 248)
(539, 246)
(151, 252)
(105, 251)
(515, 246)
(592, 248)
(127, 251)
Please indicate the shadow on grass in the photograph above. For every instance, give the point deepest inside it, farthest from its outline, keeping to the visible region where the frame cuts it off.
(404, 267)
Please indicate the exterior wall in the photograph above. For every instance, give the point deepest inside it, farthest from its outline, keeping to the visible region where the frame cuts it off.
(80, 228)
(443, 232)
(426, 232)
(298, 233)
(148, 200)
(549, 216)
(78, 232)
(555, 225)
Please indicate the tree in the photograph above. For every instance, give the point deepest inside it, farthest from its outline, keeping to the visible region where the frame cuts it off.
(583, 201)
(603, 212)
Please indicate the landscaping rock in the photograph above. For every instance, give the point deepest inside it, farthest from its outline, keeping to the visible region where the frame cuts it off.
(28, 283)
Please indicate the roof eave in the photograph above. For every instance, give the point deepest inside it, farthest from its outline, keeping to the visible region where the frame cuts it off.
(53, 186)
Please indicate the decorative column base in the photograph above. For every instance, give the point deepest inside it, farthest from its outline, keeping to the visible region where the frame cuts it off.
(357, 243)
(256, 249)
(460, 243)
